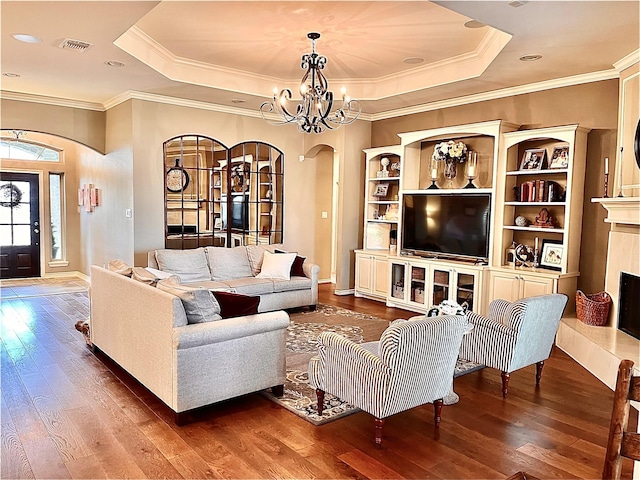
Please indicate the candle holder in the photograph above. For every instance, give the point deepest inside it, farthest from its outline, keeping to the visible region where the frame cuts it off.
(472, 169)
(434, 175)
(606, 186)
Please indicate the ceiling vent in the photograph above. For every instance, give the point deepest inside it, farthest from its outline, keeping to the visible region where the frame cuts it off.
(77, 45)
(518, 3)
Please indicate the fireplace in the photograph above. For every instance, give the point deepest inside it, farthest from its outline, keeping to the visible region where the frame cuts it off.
(629, 305)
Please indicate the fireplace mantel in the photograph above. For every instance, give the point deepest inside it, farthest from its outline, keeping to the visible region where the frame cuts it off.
(625, 210)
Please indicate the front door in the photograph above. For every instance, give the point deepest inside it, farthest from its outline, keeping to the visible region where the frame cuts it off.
(19, 225)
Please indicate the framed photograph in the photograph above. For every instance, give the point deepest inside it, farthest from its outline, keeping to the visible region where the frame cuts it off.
(551, 255)
(533, 159)
(217, 223)
(381, 190)
(560, 158)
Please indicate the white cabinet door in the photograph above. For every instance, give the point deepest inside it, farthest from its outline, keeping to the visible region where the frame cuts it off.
(504, 285)
(380, 279)
(533, 286)
(364, 273)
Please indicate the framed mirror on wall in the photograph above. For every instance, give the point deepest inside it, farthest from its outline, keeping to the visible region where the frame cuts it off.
(216, 196)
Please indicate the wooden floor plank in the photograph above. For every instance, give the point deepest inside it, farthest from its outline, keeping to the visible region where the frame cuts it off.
(13, 459)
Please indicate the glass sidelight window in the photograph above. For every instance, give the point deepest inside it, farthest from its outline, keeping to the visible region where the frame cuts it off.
(56, 205)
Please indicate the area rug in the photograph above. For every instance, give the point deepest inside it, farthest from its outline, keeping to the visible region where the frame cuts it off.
(299, 398)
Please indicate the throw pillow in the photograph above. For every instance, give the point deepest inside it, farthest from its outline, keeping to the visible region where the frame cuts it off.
(118, 266)
(189, 265)
(235, 304)
(276, 265)
(199, 304)
(143, 275)
(296, 268)
(256, 252)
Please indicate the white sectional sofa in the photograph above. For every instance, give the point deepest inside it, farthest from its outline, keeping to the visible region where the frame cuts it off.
(186, 365)
(239, 269)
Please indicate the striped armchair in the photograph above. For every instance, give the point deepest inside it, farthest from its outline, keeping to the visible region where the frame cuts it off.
(412, 364)
(515, 335)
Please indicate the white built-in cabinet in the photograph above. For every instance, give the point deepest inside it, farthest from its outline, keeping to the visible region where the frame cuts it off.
(383, 272)
(372, 272)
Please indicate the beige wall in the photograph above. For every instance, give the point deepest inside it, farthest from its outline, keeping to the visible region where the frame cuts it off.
(322, 202)
(131, 173)
(593, 105)
(84, 126)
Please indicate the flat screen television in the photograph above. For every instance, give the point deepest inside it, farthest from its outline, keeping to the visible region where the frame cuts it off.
(239, 212)
(446, 225)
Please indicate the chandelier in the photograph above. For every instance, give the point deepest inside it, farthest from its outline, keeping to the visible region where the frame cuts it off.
(313, 113)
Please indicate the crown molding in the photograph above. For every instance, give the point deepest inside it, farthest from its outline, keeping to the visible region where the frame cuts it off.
(59, 102)
(501, 93)
(628, 61)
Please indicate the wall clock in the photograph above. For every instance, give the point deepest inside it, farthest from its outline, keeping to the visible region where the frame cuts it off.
(177, 178)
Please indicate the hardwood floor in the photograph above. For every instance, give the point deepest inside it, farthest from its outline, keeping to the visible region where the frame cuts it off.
(65, 414)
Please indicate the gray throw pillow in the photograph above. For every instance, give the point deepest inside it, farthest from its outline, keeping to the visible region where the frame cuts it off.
(199, 304)
(189, 265)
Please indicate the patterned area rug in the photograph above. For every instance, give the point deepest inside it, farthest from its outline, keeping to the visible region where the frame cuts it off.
(299, 398)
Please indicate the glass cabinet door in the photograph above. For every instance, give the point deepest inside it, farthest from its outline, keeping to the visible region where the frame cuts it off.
(441, 281)
(418, 277)
(465, 288)
(398, 272)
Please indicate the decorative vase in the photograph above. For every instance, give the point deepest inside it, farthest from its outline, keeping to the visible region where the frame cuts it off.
(450, 168)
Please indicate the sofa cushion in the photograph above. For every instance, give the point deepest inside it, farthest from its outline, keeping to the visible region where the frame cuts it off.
(228, 263)
(236, 305)
(250, 286)
(256, 252)
(119, 266)
(276, 266)
(296, 267)
(199, 304)
(296, 283)
(189, 265)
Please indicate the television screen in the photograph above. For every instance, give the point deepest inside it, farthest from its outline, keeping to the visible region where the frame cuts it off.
(446, 224)
(239, 212)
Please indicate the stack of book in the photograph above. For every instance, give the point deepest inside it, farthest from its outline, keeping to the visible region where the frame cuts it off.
(540, 191)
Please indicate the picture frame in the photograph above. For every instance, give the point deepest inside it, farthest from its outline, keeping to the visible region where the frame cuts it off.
(551, 254)
(559, 158)
(217, 223)
(381, 190)
(533, 159)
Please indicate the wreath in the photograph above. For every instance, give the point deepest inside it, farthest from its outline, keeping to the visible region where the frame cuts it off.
(10, 195)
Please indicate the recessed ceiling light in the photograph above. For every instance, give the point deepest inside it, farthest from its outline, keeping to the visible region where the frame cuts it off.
(474, 24)
(413, 60)
(26, 38)
(530, 58)
(237, 100)
(11, 75)
(114, 63)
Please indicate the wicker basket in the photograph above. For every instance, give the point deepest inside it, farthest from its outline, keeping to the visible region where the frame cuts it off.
(593, 309)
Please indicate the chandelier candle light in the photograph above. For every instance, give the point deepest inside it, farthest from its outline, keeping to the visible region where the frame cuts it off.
(313, 113)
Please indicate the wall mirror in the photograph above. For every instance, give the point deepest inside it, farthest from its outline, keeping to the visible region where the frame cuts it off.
(219, 196)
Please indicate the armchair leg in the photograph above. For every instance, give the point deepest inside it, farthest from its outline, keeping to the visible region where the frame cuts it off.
(437, 412)
(320, 396)
(539, 367)
(378, 423)
(277, 390)
(505, 383)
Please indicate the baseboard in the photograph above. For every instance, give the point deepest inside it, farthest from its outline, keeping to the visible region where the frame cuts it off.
(73, 273)
(351, 291)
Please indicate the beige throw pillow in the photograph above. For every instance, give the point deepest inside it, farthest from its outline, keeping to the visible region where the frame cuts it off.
(199, 304)
(276, 265)
(118, 266)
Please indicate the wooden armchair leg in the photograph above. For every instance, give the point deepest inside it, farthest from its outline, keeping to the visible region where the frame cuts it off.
(437, 411)
(320, 396)
(539, 367)
(378, 424)
(505, 383)
(277, 390)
